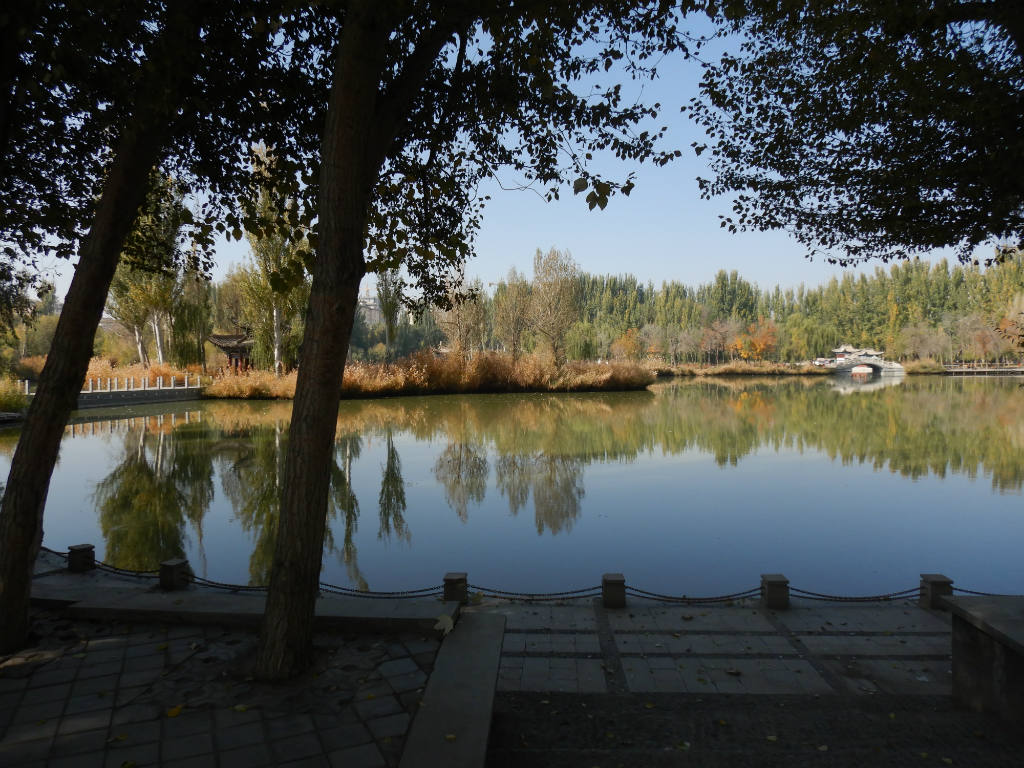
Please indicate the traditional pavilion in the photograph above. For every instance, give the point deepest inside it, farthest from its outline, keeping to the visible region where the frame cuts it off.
(237, 346)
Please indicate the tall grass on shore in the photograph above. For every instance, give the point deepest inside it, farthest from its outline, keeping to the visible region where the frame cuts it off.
(426, 374)
(924, 365)
(12, 397)
(100, 369)
(745, 368)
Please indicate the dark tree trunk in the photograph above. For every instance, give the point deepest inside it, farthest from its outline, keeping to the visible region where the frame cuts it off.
(21, 516)
(346, 180)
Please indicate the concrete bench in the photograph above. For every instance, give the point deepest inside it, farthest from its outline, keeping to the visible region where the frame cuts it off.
(988, 653)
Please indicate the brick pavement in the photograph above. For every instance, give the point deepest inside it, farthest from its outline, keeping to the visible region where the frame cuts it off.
(813, 648)
(112, 694)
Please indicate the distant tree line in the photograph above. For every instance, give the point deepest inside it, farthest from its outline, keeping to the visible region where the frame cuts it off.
(911, 310)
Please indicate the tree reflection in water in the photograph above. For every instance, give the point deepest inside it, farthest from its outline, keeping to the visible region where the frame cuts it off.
(540, 446)
(251, 479)
(556, 483)
(462, 470)
(164, 480)
(392, 496)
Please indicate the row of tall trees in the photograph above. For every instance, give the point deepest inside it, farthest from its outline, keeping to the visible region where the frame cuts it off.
(911, 310)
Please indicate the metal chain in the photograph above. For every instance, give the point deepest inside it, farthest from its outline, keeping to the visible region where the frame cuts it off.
(100, 565)
(983, 594)
(694, 600)
(572, 594)
(221, 585)
(366, 592)
(499, 593)
(540, 598)
(376, 596)
(855, 599)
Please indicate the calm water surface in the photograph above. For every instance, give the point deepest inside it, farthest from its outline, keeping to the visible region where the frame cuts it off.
(692, 488)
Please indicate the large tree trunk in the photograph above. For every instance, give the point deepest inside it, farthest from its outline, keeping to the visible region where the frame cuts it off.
(21, 516)
(345, 185)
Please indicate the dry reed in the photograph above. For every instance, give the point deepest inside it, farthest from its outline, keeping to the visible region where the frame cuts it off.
(925, 365)
(748, 368)
(426, 374)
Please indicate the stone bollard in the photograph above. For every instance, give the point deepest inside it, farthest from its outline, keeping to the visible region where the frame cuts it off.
(456, 587)
(613, 590)
(934, 586)
(172, 381)
(774, 591)
(81, 558)
(90, 385)
(175, 574)
(159, 382)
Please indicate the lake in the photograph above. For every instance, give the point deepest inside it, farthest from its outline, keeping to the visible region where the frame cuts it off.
(694, 487)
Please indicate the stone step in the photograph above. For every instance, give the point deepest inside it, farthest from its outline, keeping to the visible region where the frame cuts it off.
(453, 723)
(246, 610)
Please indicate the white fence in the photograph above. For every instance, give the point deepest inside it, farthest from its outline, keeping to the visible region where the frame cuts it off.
(126, 384)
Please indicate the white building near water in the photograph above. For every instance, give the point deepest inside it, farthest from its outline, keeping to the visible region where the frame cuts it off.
(369, 305)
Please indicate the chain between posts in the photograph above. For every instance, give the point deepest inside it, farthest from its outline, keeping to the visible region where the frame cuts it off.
(808, 595)
(683, 599)
(538, 597)
(572, 594)
(498, 593)
(983, 594)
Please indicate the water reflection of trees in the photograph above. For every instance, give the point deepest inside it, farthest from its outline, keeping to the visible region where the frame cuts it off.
(556, 483)
(391, 501)
(253, 463)
(163, 481)
(541, 445)
(927, 425)
(462, 471)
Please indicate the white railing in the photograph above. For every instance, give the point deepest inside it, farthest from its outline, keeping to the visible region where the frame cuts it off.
(126, 384)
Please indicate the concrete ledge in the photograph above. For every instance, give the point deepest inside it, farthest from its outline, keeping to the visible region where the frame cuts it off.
(1000, 617)
(988, 663)
(454, 719)
(99, 399)
(246, 610)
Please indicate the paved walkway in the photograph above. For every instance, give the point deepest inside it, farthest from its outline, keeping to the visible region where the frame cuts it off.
(179, 691)
(114, 694)
(652, 684)
(822, 684)
(813, 648)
